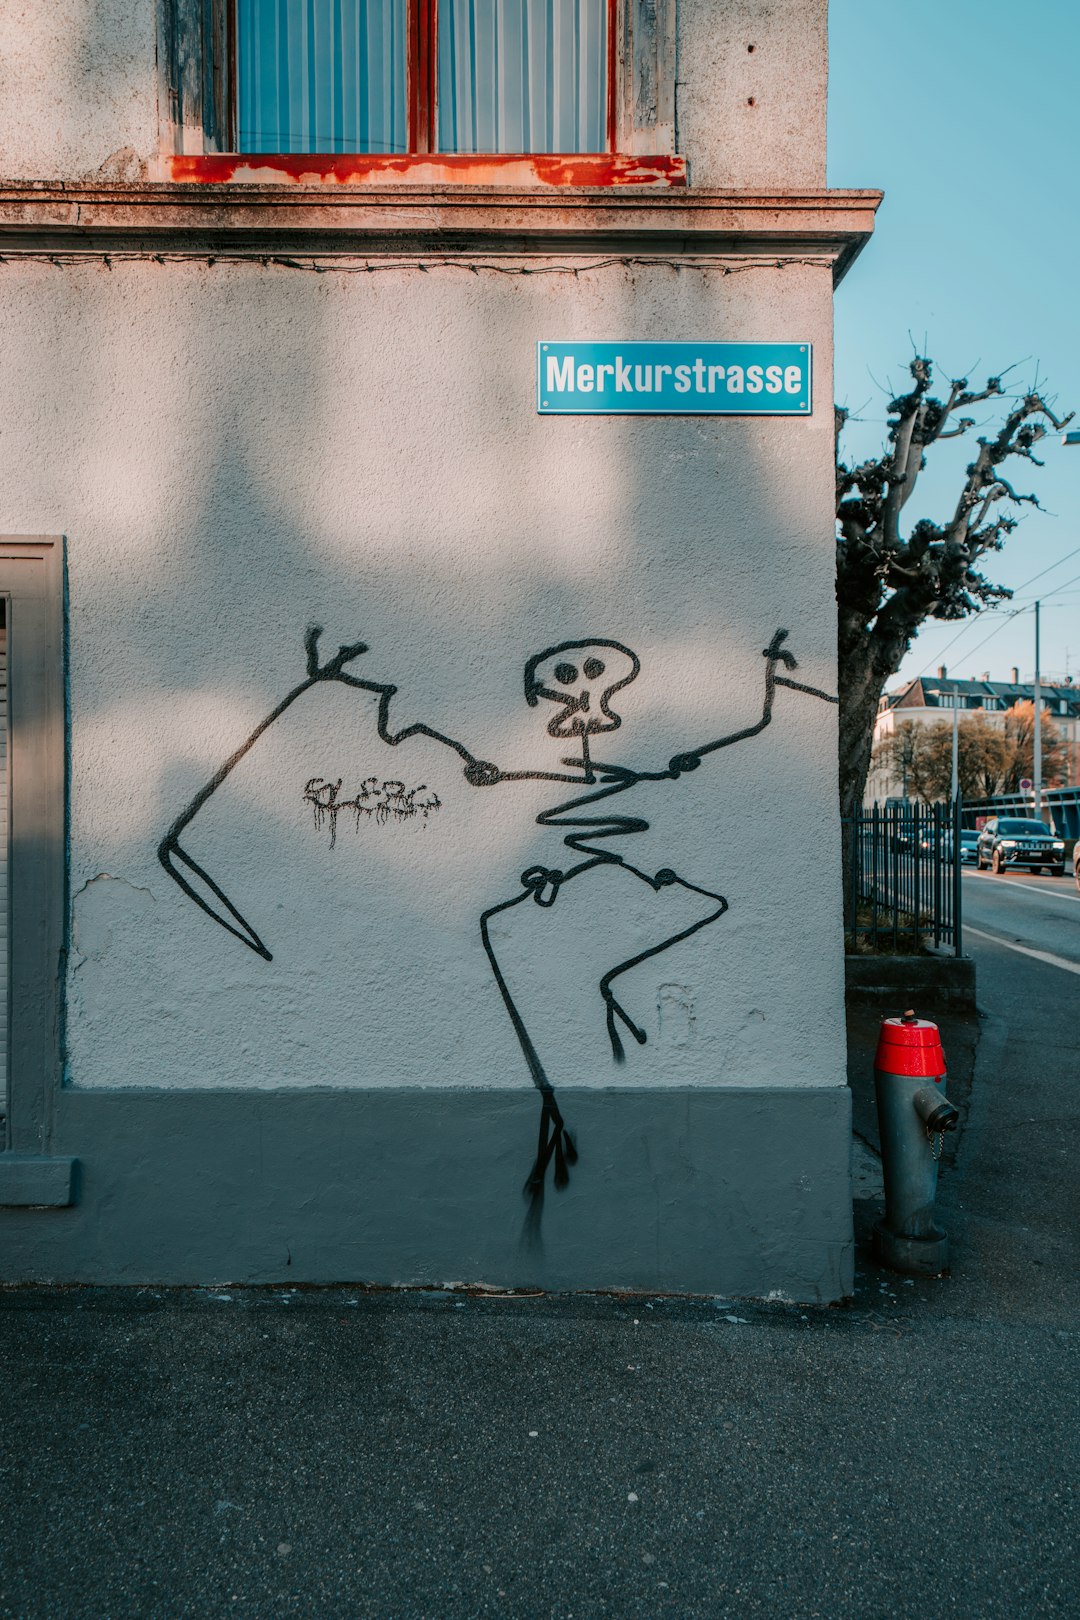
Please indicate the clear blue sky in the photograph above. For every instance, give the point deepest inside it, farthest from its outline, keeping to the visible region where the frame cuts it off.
(964, 113)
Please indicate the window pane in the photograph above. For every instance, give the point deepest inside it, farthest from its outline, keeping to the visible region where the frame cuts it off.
(523, 75)
(320, 75)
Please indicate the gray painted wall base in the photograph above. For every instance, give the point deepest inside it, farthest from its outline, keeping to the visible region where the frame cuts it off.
(733, 1191)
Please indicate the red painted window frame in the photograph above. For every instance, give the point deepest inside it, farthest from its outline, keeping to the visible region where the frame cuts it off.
(422, 166)
(422, 89)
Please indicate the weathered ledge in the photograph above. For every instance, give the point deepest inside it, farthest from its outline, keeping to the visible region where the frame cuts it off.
(251, 220)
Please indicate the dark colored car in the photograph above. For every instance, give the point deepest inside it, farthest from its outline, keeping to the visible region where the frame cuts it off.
(1076, 863)
(969, 847)
(1008, 842)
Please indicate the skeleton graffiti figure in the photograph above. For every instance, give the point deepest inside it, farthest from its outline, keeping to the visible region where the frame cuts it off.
(580, 678)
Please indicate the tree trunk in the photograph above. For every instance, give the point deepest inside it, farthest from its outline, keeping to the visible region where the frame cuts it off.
(865, 666)
(860, 693)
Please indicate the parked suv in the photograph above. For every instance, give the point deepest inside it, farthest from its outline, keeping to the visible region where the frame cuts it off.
(1014, 841)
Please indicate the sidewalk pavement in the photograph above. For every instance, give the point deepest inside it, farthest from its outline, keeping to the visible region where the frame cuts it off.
(340, 1453)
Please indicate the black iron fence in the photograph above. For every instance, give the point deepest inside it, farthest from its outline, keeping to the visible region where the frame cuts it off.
(903, 877)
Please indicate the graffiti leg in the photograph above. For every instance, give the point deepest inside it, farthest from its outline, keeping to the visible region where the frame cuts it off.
(664, 879)
(543, 886)
(555, 1140)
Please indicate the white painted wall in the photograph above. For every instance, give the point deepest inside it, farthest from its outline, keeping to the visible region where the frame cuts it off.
(78, 88)
(234, 452)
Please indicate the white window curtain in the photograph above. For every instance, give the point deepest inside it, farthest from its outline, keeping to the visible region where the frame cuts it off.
(522, 75)
(321, 75)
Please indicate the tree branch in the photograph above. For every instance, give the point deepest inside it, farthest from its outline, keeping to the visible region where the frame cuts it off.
(888, 585)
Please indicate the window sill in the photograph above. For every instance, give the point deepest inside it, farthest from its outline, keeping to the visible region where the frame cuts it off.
(509, 169)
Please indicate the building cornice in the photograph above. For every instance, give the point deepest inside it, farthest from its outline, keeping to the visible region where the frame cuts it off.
(251, 220)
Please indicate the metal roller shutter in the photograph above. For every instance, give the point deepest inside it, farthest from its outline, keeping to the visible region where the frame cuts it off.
(4, 825)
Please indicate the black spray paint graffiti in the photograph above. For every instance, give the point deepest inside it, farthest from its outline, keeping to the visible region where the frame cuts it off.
(186, 871)
(373, 800)
(581, 678)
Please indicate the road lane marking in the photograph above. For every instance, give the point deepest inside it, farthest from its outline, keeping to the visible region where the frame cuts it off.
(1029, 888)
(1025, 950)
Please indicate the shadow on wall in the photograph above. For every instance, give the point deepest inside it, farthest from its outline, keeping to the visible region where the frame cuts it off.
(290, 472)
(80, 92)
(581, 678)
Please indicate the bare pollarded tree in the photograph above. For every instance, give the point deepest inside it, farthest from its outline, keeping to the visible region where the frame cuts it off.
(889, 583)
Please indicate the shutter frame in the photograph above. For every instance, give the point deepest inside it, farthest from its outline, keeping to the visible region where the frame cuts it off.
(32, 580)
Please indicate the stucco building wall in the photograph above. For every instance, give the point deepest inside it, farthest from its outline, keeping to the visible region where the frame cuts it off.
(258, 450)
(80, 91)
(236, 450)
(751, 93)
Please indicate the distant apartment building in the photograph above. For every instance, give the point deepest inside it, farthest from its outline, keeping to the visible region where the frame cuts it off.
(932, 700)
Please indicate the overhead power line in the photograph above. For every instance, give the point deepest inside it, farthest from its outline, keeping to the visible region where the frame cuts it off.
(997, 608)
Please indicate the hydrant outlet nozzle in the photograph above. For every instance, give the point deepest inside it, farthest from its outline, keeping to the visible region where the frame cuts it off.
(936, 1112)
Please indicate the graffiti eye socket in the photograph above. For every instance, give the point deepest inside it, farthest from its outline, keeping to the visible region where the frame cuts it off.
(565, 674)
(593, 667)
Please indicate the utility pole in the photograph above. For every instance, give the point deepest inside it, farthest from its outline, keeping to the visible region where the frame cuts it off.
(955, 746)
(1037, 761)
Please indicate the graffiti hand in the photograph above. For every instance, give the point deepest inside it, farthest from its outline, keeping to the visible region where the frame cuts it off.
(777, 653)
(482, 773)
(683, 762)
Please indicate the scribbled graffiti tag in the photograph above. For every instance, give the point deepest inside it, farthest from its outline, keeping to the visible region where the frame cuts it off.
(373, 801)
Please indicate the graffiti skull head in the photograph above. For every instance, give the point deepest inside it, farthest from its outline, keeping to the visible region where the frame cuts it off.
(581, 677)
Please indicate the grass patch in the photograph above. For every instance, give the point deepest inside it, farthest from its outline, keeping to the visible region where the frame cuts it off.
(909, 937)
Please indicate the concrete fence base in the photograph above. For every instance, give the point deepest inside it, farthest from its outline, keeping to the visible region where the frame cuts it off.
(948, 980)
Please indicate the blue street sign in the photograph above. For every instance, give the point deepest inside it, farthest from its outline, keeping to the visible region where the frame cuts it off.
(673, 379)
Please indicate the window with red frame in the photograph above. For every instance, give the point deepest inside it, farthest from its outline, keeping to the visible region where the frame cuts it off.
(414, 76)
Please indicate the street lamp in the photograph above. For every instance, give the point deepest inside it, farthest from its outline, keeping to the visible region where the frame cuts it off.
(1070, 436)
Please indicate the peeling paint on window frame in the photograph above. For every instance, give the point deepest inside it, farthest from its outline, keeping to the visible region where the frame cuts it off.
(198, 99)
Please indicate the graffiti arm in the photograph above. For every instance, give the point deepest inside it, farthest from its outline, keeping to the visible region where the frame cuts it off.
(192, 878)
(200, 887)
(186, 872)
(774, 654)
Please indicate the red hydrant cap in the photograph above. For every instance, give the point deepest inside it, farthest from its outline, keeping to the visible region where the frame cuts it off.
(910, 1046)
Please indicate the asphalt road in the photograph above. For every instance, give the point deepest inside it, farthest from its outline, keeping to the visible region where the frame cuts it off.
(439, 1456)
(1027, 910)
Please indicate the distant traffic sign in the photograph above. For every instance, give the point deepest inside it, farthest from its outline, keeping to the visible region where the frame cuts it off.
(1026, 784)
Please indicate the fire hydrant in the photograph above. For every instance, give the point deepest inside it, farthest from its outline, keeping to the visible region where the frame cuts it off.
(913, 1110)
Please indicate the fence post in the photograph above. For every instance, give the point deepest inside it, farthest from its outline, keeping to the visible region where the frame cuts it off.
(875, 881)
(923, 830)
(957, 921)
(937, 851)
